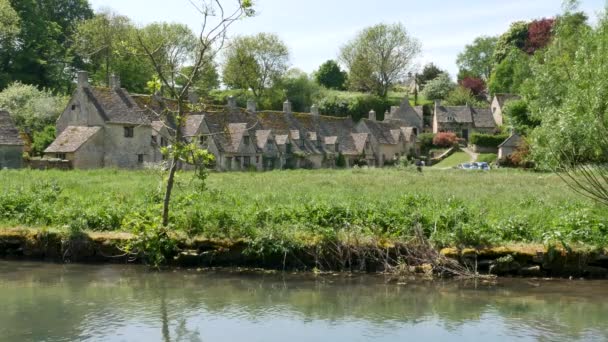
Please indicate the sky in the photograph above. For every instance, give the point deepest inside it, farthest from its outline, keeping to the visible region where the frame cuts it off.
(314, 30)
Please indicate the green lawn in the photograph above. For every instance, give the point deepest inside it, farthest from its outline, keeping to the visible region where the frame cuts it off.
(453, 160)
(290, 207)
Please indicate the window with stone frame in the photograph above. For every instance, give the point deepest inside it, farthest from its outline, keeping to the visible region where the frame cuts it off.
(337, 147)
(246, 161)
(153, 140)
(163, 141)
(140, 158)
(61, 156)
(202, 140)
(246, 140)
(129, 131)
(257, 159)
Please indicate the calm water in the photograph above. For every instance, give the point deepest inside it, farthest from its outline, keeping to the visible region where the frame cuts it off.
(46, 302)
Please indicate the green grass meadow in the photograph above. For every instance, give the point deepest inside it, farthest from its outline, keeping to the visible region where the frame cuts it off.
(453, 207)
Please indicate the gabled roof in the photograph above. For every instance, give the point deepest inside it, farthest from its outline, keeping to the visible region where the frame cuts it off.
(483, 118)
(330, 140)
(281, 139)
(512, 141)
(9, 135)
(406, 114)
(385, 132)
(228, 127)
(192, 125)
(359, 140)
(116, 106)
(261, 137)
(504, 98)
(72, 138)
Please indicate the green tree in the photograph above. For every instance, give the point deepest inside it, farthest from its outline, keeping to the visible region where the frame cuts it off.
(515, 38)
(461, 96)
(379, 57)
(429, 73)
(331, 76)
(40, 52)
(300, 89)
(518, 116)
(207, 79)
(107, 42)
(511, 73)
(439, 88)
(478, 58)
(255, 62)
(33, 110)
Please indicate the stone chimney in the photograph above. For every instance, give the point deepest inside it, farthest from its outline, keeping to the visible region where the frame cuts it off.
(287, 106)
(114, 81)
(231, 102)
(372, 115)
(83, 79)
(251, 107)
(387, 115)
(314, 110)
(193, 97)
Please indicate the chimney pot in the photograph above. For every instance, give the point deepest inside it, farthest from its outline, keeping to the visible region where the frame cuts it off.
(372, 115)
(114, 81)
(287, 106)
(83, 79)
(314, 110)
(231, 102)
(251, 106)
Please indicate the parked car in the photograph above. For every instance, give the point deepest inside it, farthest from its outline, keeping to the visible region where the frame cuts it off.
(474, 166)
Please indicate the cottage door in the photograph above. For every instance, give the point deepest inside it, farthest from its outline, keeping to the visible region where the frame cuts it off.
(465, 134)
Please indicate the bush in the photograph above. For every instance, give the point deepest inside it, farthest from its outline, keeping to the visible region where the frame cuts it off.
(426, 141)
(487, 158)
(487, 140)
(357, 105)
(446, 139)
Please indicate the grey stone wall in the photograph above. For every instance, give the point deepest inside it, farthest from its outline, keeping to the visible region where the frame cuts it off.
(122, 152)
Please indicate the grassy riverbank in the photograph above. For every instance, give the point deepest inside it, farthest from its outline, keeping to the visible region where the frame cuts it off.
(279, 211)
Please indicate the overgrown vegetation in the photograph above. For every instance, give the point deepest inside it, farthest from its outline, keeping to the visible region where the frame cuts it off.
(453, 208)
(487, 140)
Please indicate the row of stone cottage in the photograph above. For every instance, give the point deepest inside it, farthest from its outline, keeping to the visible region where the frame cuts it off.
(108, 127)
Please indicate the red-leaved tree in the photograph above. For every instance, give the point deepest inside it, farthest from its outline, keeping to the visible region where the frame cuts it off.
(445, 139)
(476, 85)
(539, 34)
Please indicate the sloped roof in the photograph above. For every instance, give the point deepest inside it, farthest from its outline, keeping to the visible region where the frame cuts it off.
(9, 135)
(192, 124)
(330, 140)
(504, 98)
(72, 138)
(281, 139)
(228, 127)
(383, 131)
(512, 141)
(261, 137)
(458, 114)
(116, 105)
(483, 118)
(407, 114)
(359, 140)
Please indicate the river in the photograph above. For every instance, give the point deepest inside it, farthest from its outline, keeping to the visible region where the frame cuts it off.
(51, 302)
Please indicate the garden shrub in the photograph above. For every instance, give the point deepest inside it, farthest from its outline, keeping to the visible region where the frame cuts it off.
(445, 139)
(487, 140)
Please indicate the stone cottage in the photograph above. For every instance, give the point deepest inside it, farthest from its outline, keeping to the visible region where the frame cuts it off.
(498, 104)
(11, 144)
(108, 127)
(463, 120)
(103, 127)
(509, 146)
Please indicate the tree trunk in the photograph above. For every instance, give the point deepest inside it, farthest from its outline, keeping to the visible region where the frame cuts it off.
(168, 191)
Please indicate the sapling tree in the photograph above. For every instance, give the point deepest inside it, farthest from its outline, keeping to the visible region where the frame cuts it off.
(169, 57)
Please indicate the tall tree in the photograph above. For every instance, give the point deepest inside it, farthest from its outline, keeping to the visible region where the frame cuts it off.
(429, 73)
(477, 58)
(539, 34)
(439, 88)
(211, 39)
(515, 38)
(379, 57)
(107, 45)
(9, 29)
(511, 73)
(331, 76)
(255, 62)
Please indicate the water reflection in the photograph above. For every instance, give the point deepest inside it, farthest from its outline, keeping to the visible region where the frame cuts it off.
(113, 303)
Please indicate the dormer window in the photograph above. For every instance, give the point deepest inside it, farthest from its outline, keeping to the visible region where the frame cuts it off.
(246, 140)
(202, 140)
(129, 131)
(337, 147)
(153, 140)
(73, 107)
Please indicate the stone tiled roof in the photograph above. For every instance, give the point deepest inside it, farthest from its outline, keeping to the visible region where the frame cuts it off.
(192, 125)
(116, 105)
(330, 140)
(359, 140)
(512, 141)
(157, 126)
(9, 135)
(72, 138)
(383, 131)
(483, 118)
(228, 127)
(504, 98)
(406, 114)
(281, 139)
(261, 137)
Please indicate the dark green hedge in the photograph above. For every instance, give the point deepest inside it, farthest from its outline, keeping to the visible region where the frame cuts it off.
(487, 140)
